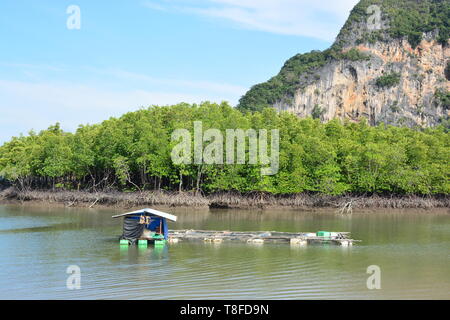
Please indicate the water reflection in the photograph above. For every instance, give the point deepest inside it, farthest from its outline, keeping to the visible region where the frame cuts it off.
(37, 245)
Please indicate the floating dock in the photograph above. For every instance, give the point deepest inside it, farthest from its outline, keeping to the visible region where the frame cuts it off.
(260, 237)
(149, 226)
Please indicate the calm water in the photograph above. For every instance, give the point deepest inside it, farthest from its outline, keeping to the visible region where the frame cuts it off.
(38, 244)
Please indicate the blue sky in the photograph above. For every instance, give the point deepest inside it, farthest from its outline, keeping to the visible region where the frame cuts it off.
(134, 53)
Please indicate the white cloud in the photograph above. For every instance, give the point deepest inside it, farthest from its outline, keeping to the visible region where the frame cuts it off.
(40, 98)
(29, 105)
(320, 19)
(224, 89)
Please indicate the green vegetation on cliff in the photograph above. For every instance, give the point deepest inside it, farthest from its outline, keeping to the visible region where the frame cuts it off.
(133, 152)
(388, 80)
(284, 85)
(401, 19)
(443, 97)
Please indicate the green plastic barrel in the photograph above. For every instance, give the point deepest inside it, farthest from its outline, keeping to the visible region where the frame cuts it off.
(160, 242)
(142, 242)
(323, 234)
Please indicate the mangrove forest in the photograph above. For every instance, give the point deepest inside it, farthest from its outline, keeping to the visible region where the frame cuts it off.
(133, 153)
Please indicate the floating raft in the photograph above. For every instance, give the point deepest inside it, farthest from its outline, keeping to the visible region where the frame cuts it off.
(260, 237)
(149, 226)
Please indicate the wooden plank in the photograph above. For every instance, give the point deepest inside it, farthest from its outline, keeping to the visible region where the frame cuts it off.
(251, 236)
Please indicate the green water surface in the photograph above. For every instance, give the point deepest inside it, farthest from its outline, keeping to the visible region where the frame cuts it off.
(38, 244)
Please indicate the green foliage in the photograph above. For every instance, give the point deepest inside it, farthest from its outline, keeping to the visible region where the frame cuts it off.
(405, 19)
(447, 71)
(442, 97)
(394, 107)
(388, 80)
(355, 55)
(317, 112)
(371, 37)
(282, 87)
(133, 153)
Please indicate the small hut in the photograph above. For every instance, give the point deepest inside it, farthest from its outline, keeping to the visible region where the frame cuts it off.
(144, 225)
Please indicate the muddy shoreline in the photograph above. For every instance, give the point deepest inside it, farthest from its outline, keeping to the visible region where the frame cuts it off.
(125, 200)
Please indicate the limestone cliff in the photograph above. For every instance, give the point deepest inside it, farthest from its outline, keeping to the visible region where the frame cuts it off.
(393, 74)
(348, 89)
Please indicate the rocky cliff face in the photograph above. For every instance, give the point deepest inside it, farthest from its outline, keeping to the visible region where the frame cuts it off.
(348, 89)
(390, 81)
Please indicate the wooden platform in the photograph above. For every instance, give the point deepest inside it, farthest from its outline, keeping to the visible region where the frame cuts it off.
(260, 237)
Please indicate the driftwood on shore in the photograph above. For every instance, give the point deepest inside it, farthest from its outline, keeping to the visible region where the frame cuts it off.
(344, 204)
